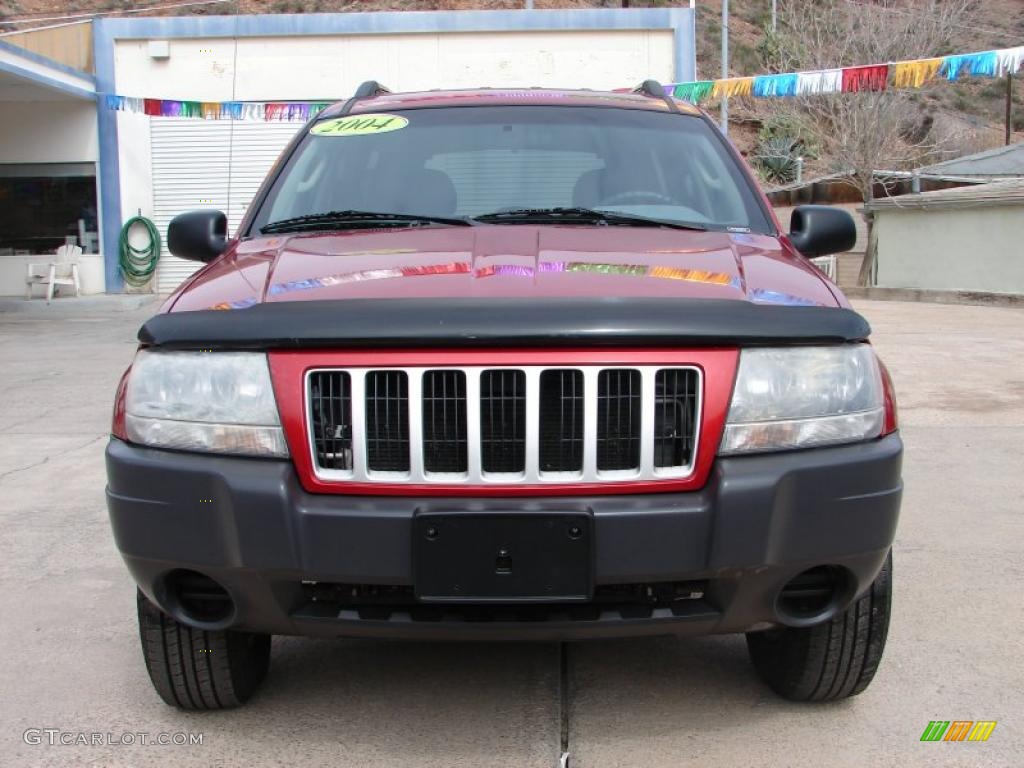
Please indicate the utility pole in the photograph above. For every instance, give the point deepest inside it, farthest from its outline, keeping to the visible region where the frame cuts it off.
(775, 14)
(725, 64)
(1009, 108)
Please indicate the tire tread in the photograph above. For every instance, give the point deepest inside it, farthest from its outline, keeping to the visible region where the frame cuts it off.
(196, 669)
(829, 661)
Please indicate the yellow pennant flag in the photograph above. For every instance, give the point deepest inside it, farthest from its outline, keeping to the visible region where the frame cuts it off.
(914, 74)
(733, 86)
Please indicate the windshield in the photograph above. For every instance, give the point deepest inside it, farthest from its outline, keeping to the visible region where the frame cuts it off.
(468, 162)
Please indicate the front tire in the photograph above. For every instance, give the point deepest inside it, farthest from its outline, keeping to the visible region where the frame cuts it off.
(828, 661)
(198, 669)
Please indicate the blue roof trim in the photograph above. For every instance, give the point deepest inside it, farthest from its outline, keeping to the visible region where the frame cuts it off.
(48, 82)
(38, 58)
(394, 22)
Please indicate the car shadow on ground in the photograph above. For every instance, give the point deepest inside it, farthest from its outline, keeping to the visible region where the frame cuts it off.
(427, 701)
(702, 681)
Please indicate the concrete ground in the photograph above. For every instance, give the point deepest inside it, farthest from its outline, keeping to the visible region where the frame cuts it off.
(71, 658)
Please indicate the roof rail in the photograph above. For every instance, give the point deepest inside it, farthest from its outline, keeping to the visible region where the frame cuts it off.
(366, 90)
(369, 89)
(656, 90)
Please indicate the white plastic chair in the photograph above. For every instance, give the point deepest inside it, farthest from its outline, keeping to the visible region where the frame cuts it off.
(62, 271)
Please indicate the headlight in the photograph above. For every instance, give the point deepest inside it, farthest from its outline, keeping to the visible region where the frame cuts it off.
(800, 397)
(218, 402)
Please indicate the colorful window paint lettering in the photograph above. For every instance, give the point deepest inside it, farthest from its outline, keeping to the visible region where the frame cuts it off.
(359, 125)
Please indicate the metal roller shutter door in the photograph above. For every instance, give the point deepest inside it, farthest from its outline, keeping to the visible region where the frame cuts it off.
(190, 170)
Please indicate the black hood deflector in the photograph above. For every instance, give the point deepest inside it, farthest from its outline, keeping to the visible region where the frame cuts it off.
(504, 322)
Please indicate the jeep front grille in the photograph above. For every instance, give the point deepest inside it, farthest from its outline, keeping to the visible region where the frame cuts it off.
(674, 391)
(387, 421)
(618, 419)
(561, 420)
(488, 426)
(331, 415)
(444, 421)
(503, 420)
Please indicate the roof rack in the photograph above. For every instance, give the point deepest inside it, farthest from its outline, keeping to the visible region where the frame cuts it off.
(656, 90)
(366, 90)
(369, 89)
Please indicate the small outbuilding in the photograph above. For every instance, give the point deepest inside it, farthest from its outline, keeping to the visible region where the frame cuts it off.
(964, 239)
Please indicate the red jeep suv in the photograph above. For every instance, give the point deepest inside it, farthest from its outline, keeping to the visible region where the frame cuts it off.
(507, 365)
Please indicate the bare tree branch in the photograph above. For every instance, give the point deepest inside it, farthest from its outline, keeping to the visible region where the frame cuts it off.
(862, 133)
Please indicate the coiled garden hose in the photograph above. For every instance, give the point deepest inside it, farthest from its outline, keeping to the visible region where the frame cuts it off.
(138, 264)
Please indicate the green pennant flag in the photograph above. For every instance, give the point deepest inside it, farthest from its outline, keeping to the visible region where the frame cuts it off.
(694, 92)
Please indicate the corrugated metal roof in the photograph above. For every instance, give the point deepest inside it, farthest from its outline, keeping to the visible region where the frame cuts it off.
(1001, 161)
(1009, 192)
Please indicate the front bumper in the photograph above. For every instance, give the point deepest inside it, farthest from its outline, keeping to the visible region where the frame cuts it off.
(758, 522)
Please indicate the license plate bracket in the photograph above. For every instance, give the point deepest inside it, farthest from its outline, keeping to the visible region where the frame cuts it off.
(503, 557)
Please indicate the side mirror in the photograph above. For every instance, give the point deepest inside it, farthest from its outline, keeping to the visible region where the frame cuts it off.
(198, 235)
(820, 230)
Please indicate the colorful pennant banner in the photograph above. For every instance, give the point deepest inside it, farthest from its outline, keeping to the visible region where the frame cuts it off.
(914, 73)
(290, 111)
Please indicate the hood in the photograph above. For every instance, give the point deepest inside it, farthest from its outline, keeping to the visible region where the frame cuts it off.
(507, 261)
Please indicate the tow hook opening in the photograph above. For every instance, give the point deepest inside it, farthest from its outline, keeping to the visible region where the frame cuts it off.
(198, 600)
(814, 596)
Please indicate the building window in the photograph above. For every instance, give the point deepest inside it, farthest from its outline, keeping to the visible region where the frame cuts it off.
(45, 205)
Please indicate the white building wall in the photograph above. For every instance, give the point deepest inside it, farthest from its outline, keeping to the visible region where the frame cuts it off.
(970, 249)
(330, 68)
(48, 132)
(136, 165)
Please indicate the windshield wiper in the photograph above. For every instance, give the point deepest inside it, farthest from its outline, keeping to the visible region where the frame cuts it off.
(352, 219)
(584, 215)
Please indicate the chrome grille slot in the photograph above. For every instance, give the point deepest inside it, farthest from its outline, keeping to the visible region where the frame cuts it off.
(618, 419)
(675, 407)
(503, 420)
(561, 420)
(387, 421)
(444, 421)
(486, 426)
(331, 395)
